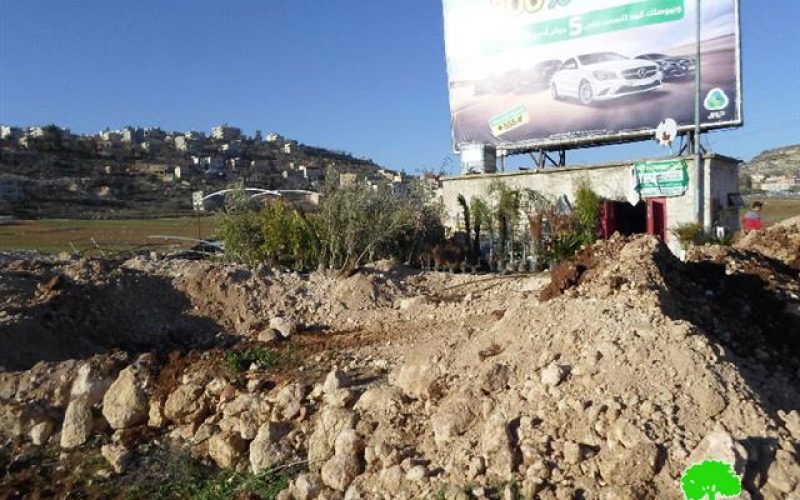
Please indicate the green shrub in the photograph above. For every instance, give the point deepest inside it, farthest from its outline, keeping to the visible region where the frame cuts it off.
(360, 224)
(356, 224)
(264, 358)
(182, 477)
(689, 233)
(275, 233)
(565, 245)
(239, 227)
(586, 211)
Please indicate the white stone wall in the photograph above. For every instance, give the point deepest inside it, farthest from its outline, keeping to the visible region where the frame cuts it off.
(610, 181)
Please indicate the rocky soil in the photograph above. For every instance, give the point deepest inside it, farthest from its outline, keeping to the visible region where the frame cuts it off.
(606, 382)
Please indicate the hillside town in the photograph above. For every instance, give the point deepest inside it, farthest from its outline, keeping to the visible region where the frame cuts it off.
(127, 168)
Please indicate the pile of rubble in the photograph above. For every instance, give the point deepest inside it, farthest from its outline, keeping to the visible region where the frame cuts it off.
(637, 366)
(780, 242)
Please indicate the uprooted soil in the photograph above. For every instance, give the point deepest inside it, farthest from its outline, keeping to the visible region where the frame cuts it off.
(631, 367)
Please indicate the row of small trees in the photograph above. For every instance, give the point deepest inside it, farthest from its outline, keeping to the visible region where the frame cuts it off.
(523, 222)
(354, 225)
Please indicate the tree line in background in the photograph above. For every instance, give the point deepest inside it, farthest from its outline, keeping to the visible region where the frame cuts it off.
(354, 225)
(508, 229)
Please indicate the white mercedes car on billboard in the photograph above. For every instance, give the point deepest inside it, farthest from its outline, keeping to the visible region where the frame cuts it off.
(602, 76)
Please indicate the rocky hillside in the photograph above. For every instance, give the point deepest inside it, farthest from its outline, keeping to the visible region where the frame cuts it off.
(779, 161)
(81, 179)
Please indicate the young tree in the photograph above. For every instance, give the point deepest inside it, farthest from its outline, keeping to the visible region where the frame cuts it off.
(481, 217)
(587, 210)
(465, 209)
(239, 227)
(507, 203)
(361, 224)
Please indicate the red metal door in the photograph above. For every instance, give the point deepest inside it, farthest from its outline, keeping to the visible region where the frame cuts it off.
(608, 219)
(657, 218)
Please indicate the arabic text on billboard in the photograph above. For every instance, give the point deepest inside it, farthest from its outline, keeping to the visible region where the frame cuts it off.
(526, 74)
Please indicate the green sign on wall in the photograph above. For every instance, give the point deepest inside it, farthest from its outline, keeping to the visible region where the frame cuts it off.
(657, 179)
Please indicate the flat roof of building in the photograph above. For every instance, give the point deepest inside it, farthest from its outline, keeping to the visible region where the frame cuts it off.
(611, 164)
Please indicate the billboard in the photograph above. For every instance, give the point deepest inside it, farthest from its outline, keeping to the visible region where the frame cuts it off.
(547, 74)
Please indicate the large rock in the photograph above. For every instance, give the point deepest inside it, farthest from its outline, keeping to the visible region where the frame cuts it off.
(88, 389)
(78, 422)
(265, 450)
(91, 382)
(347, 462)
(454, 417)
(334, 381)
(226, 449)
(791, 421)
(419, 377)
(379, 399)
(720, 445)
(186, 404)
(117, 455)
(784, 472)
(499, 447)
(307, 486)
(289, 401)
(286, 327)
(40, 432)
(126, 403)
(330, 422)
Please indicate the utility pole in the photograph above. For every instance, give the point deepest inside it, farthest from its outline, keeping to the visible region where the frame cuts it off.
(698, 152)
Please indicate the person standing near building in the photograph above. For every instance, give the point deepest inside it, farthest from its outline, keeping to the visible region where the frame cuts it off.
(752, 218)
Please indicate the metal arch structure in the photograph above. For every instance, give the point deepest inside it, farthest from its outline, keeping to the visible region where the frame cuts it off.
(258, 191)
(261, 192)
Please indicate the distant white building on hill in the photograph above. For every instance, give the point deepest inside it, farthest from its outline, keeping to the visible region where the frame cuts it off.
(226, 133)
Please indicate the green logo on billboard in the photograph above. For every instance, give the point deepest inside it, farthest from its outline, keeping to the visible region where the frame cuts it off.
(710, 479)
(717, 100)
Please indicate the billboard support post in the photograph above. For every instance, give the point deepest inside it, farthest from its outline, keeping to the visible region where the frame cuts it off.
(544, 158)
(698, 152)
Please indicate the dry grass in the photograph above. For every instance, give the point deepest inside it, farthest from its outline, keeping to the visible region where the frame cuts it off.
(57, 235)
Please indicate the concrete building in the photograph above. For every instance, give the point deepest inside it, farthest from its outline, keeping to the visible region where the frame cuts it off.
(614, 182)
(232, 149)
(9, 133)
(132, 135)
(209, 163)
(226, 133)
(111, 136)
(311, 172)
(194, 135)
(186, 144)
(289, 146)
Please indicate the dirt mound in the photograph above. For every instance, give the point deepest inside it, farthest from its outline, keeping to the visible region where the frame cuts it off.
(618, 386)
(743, 297)
(365, 291)
(637, 367)
(90, 307)
(780, 242)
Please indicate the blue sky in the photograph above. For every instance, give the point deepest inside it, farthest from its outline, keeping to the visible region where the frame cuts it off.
(363, 76)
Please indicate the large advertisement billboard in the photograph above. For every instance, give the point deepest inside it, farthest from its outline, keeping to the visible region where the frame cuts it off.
(546, 74)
